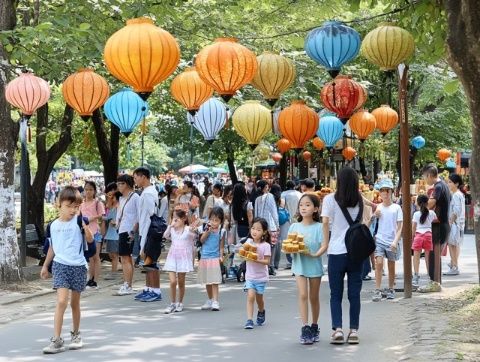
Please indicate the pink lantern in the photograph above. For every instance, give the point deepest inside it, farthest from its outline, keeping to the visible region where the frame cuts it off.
(28, 93)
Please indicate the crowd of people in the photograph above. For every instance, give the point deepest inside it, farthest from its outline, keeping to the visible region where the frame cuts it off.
(261, 215)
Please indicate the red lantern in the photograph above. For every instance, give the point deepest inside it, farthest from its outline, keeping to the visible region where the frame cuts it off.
(28, 93)
(318, 144)
(362, 123)
(283, 145)
(277, 157)
(343, 96)
(349, 153)
(443, 154)
(307, 155)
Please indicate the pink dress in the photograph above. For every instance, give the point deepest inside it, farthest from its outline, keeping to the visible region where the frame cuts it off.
(180, 255)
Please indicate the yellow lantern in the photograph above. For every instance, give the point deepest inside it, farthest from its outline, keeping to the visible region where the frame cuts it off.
(252, 121)
(387, 46)
(141, 55)
(275, 73)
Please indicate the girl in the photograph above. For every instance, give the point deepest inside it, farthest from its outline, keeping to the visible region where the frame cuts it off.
(180, 258)
(69, 267)
(256, 276)
(308, 269)
(422, 235)
(209, 272)
(111, 235)
(188, 200)
(93, 210)
(457, 221)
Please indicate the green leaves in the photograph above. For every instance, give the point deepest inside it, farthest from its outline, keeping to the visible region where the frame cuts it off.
(451, 87)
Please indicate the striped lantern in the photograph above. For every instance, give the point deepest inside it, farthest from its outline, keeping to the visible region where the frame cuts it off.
(28, 93)
(210, 119)
(190, 90)
(362, 123)
(330, 130)
(252, 121)
(298, 123)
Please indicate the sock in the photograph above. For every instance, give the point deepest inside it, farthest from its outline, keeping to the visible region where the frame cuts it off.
(156, 290)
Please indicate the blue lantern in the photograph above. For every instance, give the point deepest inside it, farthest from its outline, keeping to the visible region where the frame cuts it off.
(210, 119)
(126, 110)
(332, 45)
(451, 164)
(418, 142)
(330, 130)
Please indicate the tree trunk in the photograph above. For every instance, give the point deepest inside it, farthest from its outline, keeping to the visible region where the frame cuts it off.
(108, 149)
(363, 168)
(231, 164)
(10, 270)
(283, 171)
(46, 160)
(377, 168)
(464, 57)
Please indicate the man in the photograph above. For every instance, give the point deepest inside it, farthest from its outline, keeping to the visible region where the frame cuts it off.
(439, 202)
(147, 205)
(215, 199)
(307, 185)
(292, 198)
(127, 225)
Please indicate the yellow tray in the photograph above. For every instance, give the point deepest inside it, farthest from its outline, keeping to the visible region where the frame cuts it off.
(245, 258)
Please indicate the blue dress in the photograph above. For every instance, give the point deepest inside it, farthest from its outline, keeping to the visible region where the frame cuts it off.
(305, 265)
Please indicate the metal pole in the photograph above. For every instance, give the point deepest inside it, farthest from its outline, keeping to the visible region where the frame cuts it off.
(23, 190)
(405, 168)
(191, 144)
(143, 147)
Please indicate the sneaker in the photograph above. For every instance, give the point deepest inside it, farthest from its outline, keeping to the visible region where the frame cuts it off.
(125, 289)
(179, 307)
(151, 296)
(91, 284)
(453, 271)
(431, 287)
(315, 332)
(170, 309)
(449, 265)
(76, 341)
(391, 293)
(377, 295)
(249, 324)
(141, 295)
(207, 305)
(56, 346)
(306, 336)
(215, 306)
(415, 280)
(261, 318)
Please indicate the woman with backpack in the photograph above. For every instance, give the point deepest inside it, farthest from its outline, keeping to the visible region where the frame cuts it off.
(283, 217)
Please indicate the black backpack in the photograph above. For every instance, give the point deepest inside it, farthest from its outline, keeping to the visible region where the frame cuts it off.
(358, 239)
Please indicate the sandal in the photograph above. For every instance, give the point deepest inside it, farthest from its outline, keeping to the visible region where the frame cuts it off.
(337, 337)
(353, 337)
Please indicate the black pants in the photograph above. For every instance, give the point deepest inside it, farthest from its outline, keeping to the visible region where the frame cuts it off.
(440, 233)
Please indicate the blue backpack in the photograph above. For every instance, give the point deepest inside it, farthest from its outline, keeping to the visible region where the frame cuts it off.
(283, 215)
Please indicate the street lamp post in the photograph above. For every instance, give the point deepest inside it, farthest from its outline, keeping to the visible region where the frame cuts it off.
(23, 190)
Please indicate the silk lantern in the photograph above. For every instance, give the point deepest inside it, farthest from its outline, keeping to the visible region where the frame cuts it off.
(343, 96)
(307, 155)
(190, 90)
(298, 123)
(141, 55)
(252, 121)
(443, 154)
(226, 66)
(85, 91)
(330, 130)
(386, 118)
(450, 164)
(283, 145)
(28, 93)
(277, 157)
(275, 73)
(418, 142)
(318, 144)
(332, 45)
(210, 119)
(362, 123)
(349, 153)
(387, 46)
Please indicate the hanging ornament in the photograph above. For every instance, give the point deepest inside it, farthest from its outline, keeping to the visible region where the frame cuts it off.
(349, 153)
(28, 93)
(330, 130)
(318, 144)
(252, 121)
(307, 155)
(362, 123)
(298, 123)
(450, 164)
(277, 157)
(443, 154)
(386, 117)
(210, 119)
(262, 152)
(275, 74)
(332, 45)
(418, 142)
(283, 145)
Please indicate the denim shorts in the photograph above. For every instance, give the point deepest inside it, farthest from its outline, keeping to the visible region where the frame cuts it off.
(386, 252)
(259, 287)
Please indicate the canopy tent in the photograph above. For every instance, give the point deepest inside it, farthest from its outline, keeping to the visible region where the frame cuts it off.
(218, 170)
(194, 169)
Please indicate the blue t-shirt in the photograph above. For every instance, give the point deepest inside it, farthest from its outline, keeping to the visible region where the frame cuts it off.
(306, 265)
(211, 246)
(112, 233)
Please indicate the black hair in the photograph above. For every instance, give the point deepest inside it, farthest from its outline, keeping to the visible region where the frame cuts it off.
(239, 201)
(261, 184)
(422, 201)
(112, 186)
(316, 203)
(457, 180)
(94, 186)
(189, 184)
(127, 179)
(290, 185)
(348, 194)
(430, 170)
(276, 191)
(142, 171)
(308, 182)
(217, 212)
(226, 190)
(181, 214)
(218, 187)
(266, 235)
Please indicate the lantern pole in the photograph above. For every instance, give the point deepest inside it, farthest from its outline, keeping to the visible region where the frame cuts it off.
(405, 179)
(23, 189)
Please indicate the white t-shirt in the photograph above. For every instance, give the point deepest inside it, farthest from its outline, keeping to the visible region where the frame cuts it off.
(427, 226)
(163, 208)
(291, 197)
(128, 212)
(147, 204)
(457, 207)
(67, 242)
(387, 223)
(339, 225)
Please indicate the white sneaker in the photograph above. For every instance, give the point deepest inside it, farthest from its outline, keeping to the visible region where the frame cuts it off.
(215, 306)
(125, 289)
(76, 341)
(179, 307)
(170, 309)
(207, 305)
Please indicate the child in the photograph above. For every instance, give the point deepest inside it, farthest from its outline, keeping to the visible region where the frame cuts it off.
(180, 257)
(308, 269)
(69, 267)
(422, 235)
(256, 276)
(389, 232)
(209, 271)
(111, 234)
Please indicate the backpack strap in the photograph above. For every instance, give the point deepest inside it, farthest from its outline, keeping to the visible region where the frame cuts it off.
(348, 217)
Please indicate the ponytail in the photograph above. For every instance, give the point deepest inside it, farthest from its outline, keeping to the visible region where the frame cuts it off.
(422, 201)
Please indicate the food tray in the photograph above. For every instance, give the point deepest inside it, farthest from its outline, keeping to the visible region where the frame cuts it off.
(245, 258)
(305, 251)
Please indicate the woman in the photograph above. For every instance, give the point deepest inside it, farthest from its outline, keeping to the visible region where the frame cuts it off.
(172, 193)
(276, 191)
(227, 204)
(347, 197)
(110, 226)
(187, 200)
(242, 210)
(457, 221)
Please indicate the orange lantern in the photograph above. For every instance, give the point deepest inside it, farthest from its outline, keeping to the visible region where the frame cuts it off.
(277, 157)
(362, 123)
(141, 55)
(318, 144)
(386, 117)
(283, 145)
(190, 90)
(28, 93)
(349, 153)
(85, 91)
(443, 154)
(307, 155)
(298, 123)
(226, 66)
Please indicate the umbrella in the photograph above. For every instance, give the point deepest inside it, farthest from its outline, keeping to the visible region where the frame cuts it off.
(218, 170)
(194, 169)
